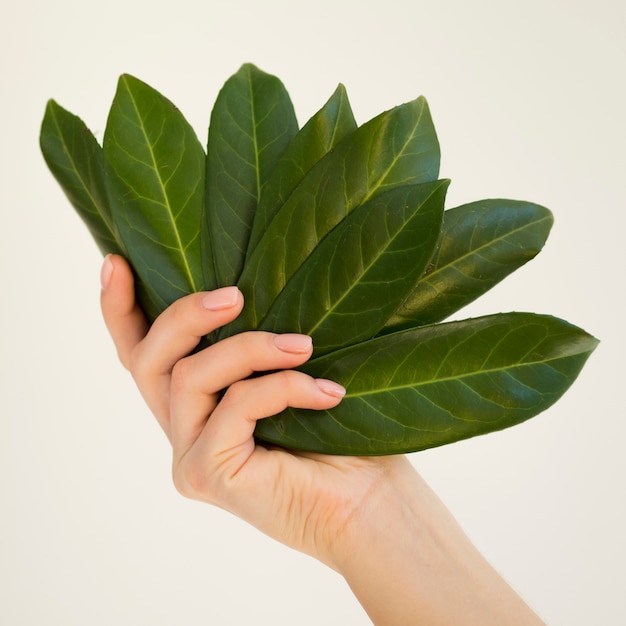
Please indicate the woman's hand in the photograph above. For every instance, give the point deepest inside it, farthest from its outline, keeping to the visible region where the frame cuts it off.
(208, 406)
(372, 519)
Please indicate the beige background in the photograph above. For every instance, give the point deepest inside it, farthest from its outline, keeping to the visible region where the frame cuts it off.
(529, 101)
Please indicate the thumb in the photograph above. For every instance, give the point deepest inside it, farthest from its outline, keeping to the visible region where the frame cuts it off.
(123, 317)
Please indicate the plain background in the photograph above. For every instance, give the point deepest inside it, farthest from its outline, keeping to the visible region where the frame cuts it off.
(528, 99)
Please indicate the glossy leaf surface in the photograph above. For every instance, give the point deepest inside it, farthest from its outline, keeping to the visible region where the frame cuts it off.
(349, 224)
(319, 135)
(481, 243)
(155, 169)
(399, 147)
(352, 281)
(252, 123)
(437, 384)
(75, 159)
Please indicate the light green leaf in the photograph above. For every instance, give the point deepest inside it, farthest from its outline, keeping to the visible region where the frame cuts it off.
(396, 148)
(252, 123)
(155, 169)
(437, 384)
(76, 161)
(319, 135)
(481, 243)
(346, 289)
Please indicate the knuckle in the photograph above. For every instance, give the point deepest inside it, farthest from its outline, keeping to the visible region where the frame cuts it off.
(178, 311)
(173, 316)
(180, 376)
(136, 364)
(289, 380)
(252, 343)
(192, 481)
(234, 394)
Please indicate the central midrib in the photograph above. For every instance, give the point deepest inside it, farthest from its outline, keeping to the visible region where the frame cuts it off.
(166, 202)
(462, 377)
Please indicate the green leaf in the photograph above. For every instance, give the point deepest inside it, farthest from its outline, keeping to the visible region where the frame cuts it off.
(155, 174)
(437, 384)
(399, 147)
(319, 135)
(347, 220)
(252, 123)
(354, 279)
(76, 161)
(481, 243)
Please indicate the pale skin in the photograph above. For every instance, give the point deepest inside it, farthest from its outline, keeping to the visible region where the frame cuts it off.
(373, 520)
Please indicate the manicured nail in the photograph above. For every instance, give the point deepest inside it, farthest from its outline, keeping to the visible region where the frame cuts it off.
(220, 299)
(330, 388)
(106, 272)
(293, 343)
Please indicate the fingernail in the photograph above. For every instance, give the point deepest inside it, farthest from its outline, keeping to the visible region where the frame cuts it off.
(294, 343)
(106, 272)
(220, 299)
(330, 388)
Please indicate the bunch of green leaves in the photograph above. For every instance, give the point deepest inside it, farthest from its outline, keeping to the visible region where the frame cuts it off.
(335, 230)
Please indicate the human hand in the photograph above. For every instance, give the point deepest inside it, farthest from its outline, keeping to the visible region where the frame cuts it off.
(208, 405)
(374, 520)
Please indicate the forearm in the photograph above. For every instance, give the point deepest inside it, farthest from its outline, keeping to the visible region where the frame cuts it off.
(372, 519)
(408, 562)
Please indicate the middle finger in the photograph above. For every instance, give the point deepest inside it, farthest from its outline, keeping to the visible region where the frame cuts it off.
(198, 380)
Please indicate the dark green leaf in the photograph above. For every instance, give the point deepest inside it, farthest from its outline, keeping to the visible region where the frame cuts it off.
(347, 220)
(76, 161)
(155, 170)
(319, 135)
(481, 243)
(252, 123)
(437, 384)
(396, 148)
(345, 290)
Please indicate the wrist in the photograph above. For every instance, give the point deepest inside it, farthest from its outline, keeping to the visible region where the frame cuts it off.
(408, 561)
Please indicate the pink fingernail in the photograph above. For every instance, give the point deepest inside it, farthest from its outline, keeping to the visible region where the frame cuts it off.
(106, 272)
(293, 343)
(331, 388)
(220, 299)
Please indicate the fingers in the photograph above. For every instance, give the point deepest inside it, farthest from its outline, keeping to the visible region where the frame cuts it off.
(178, 330)
(184, 389)
(231, 425)
(123, 317)
(174, 334)
(198, 380)
(236, 358)
(226, 442)
(151, 352)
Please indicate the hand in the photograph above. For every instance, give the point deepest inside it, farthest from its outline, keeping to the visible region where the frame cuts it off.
(374, 520)
(303, 500)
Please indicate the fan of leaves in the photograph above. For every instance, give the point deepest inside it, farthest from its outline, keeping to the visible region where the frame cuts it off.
(335, 230)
